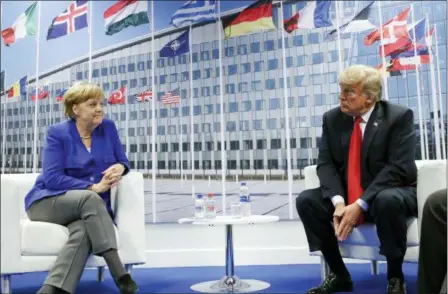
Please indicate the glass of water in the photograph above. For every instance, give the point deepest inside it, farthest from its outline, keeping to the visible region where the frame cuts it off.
(235, 209)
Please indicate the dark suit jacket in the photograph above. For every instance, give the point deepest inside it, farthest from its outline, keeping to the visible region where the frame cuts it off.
(388, 151)
(68, 165)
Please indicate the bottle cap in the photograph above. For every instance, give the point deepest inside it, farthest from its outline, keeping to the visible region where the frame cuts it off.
(210, 194)
(243, 184)
(199, 196)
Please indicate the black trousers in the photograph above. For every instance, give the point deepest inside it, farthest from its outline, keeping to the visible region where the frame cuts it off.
(433, 247)
(389, 211)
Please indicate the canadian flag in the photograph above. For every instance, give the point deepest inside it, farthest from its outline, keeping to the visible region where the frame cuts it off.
(394, 29)
(117, 97)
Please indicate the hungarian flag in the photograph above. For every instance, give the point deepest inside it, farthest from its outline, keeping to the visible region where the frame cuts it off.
(117, 97)
(144, 96)
(125, 13)
(25, 25)
(393, 30)
(256, 17)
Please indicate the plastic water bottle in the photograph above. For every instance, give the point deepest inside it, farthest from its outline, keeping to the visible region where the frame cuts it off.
(245, 200)
(199, 207)
(210, 206)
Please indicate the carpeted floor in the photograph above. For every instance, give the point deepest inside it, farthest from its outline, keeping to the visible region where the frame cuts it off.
(283, 279)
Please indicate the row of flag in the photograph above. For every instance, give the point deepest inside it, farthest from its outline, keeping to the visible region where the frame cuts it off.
(397, 42)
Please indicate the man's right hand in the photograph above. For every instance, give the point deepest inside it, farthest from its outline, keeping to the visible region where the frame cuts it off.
(337, 215)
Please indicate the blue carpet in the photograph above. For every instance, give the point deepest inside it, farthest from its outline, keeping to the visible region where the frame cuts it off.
(283, 279)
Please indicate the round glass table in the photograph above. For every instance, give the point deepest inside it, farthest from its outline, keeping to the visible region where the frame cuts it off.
(230, 282)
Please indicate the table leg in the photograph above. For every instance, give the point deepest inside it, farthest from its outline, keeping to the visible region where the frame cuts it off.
(230, 282)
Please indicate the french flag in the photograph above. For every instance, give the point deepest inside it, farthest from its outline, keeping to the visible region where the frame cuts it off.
(316, 14)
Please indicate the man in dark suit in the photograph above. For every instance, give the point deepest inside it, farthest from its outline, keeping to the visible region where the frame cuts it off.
(367, 172)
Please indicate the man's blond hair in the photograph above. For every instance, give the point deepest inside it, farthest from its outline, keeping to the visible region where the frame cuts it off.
(78, 93)
(370, 78)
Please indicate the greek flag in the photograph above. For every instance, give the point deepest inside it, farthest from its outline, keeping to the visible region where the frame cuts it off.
(194, 11)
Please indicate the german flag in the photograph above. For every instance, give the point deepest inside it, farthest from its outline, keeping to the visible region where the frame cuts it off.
(257, 16)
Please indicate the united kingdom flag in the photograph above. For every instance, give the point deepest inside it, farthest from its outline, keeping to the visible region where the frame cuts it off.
(72, 19)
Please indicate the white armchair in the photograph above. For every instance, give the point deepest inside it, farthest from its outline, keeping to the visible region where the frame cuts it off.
(28, 246)
(363, 242)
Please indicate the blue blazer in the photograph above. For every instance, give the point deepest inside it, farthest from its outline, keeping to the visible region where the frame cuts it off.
(68, 165)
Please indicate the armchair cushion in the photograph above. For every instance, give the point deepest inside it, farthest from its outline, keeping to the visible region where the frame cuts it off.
(44, 239)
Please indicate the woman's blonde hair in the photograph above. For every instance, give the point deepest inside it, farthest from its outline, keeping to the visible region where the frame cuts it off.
(369, 77)
(78, 93)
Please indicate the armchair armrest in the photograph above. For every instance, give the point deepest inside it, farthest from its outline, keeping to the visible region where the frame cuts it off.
(10, 225)
(431, 177)
(130, 217)
(311, 179)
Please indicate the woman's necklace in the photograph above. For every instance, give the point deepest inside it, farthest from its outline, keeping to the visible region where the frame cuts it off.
(87, 137)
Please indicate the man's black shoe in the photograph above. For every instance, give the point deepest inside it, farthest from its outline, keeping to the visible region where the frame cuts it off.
(396, 286)
(332, 284)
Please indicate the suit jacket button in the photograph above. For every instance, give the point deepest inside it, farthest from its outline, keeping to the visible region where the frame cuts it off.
(92, 178)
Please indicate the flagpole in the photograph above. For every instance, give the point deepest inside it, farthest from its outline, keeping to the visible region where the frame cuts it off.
(440, 96)
(419, 100)
(90, 44)
(336, 4)
(5, 114)
(179, 129)
(36, 101)
(286, 108)
(153, 115)
(191, 111)
(385, 82)
(221, 114)
(126, 123)
(434, 97)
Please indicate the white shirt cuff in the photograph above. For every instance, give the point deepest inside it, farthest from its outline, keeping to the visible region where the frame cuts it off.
(337, 199)
(363, 204)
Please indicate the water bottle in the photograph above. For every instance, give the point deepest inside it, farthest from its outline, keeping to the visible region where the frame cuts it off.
(199, 207)
(245, 200)
(210, 206)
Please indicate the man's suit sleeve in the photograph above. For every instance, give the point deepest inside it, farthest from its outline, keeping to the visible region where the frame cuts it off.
(119, 152)
(400, 169)
(53, 165)
(329, 178)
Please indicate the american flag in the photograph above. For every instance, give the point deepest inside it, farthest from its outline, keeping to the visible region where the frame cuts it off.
(171, 97)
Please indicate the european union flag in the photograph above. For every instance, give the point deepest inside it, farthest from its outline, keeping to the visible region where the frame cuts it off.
(178, 46)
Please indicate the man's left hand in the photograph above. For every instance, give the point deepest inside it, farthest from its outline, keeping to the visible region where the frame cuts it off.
(114, 172)
(349, 218)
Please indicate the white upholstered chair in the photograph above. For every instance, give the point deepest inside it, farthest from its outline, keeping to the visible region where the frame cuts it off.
(28, 246)
(363, 242)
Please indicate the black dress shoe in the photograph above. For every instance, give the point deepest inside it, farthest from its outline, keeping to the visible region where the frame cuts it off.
(396, 286)
(127, 285)
(332, 284)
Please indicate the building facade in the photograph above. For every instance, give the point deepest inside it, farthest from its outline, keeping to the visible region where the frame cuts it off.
(254, 102)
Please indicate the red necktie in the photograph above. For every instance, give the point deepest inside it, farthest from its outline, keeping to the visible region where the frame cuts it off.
(355, 189)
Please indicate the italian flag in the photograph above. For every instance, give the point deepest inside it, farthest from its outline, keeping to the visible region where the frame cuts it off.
(25, 25)
(125, 13)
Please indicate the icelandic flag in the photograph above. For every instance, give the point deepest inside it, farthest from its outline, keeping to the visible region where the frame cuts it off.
(178, 46)
(72, 19)
(194, 11)
(60, 95)
(316, 14)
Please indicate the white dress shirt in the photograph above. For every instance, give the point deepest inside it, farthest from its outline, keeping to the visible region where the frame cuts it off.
(338, 198)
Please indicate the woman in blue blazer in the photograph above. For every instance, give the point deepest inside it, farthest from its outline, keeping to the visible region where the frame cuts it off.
(83, 158)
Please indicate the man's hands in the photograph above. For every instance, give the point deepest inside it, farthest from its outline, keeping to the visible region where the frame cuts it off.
(344, 219)
(113, 173)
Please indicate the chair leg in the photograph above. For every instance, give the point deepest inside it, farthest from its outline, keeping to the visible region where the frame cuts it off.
(128, 268)
(6, 284)
(100, 274)
(374, 267)
(324, 269)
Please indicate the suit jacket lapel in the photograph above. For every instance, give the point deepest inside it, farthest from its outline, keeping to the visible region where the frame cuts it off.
(347, 128)
(370, 131)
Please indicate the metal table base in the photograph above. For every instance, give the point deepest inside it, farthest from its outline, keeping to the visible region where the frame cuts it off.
(230, 283)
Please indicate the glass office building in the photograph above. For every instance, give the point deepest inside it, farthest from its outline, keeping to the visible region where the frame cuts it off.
(254, 102)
